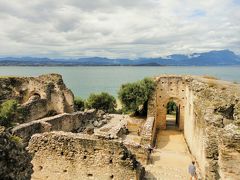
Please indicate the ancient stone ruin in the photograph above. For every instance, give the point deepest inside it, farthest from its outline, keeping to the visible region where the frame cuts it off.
(209, 116)
(96, 145)
(41, 96)
(67, 143)
(15, 161)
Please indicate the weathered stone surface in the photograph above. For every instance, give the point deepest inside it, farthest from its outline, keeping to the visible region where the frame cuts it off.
(15, 161)
(209, 115)
(147, 133)
(114, 129)
(69, 122)
(208, 107)
(229, 150)
(61, 155)
(39, 96)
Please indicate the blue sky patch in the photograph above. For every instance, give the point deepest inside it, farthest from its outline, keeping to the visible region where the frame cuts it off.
(198, 13)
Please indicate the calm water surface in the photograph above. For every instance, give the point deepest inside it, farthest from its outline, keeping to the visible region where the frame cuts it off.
(84, 80)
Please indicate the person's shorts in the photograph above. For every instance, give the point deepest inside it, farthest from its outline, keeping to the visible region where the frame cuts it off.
(193, 174)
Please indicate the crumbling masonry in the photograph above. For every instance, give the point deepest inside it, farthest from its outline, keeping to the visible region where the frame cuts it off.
(94, 145)
(209, 115)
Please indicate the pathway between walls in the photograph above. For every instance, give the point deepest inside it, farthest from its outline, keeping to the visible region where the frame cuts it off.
(170, 158)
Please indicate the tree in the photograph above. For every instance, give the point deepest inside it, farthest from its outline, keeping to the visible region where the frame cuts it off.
(134, 96)
(8, 111)
(79, 104)
(102, 101)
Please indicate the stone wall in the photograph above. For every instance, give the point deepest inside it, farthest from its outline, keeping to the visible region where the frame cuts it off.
(39, 96)
(63, 122)
(15, 161)
(229, 149)
(61, 155)
(115, 129)
(216, 119)
(148, 132)
(209, 116)
(194, 130)
(140, 152)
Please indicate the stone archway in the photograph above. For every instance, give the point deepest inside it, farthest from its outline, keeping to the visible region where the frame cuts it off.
(172, 115)
(162, 113)
(167, 88)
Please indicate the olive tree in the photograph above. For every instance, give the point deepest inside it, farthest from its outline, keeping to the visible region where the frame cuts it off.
(134, 96)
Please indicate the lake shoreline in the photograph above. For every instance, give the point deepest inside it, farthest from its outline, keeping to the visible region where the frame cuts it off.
(83, 80)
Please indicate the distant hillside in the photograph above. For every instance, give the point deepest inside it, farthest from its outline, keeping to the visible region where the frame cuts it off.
(211, 58)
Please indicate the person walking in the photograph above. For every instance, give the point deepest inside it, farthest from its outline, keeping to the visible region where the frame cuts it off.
(150, 149)
(192, 171)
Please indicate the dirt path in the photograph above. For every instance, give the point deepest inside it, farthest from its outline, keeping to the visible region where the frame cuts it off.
(170, 159)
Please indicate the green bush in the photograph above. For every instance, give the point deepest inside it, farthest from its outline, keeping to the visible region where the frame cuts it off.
(171, 107)
(16, 139)
(79, 104)
(134, 96)
(8, 111)
(102, 101)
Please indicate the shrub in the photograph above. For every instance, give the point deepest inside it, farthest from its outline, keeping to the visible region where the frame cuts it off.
(16, 139)
(103, 101)
(134, 96)
(8, 111)
(79, 104)
(171, 107)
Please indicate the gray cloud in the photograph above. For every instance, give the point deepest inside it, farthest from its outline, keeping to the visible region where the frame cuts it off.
(113, 28)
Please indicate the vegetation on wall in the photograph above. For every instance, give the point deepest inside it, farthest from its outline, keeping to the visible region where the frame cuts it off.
(11, 112)
(134, 96)
(102, 101)
(8, 111)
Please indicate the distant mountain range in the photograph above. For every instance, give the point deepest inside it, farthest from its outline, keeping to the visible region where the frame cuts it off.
(211, 58)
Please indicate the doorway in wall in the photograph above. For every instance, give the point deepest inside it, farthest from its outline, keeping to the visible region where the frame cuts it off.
(172, 117)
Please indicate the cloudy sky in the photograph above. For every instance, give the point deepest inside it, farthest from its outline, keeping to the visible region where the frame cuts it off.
(117, 28)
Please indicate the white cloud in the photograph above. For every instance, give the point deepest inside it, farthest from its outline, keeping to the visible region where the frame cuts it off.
(114, 28)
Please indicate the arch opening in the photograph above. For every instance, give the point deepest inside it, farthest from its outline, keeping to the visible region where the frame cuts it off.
(172, 115)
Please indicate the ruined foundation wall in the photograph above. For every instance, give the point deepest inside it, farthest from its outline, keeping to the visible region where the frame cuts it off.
(63, 122)
(80, 122)
(229, 152)
(39, 96)
(194, 129)
(147, 134)
(61, 155)
(216, 114)
(15, 161)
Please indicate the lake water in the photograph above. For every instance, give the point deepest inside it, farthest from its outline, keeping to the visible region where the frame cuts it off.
(84, 80)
